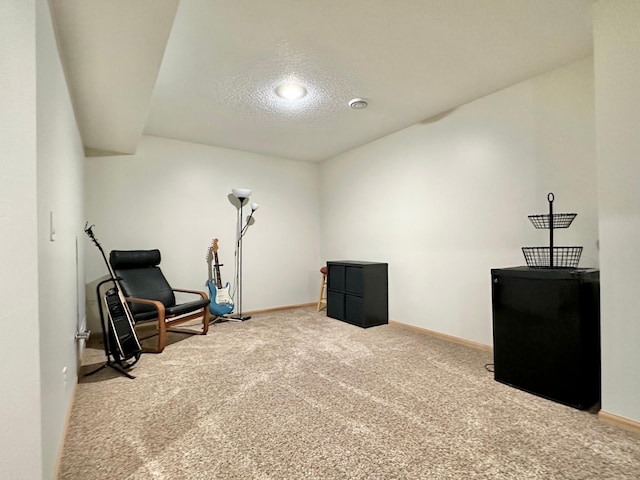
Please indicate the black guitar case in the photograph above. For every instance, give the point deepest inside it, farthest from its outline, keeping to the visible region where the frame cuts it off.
(121, 341)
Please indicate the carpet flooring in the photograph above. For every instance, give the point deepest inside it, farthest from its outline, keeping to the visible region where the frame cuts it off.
(297, 395)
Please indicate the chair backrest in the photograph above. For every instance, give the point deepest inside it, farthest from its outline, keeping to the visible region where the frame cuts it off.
(141, 277)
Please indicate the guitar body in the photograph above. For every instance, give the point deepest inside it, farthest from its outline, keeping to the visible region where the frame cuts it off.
(121, 326)
(221, 302)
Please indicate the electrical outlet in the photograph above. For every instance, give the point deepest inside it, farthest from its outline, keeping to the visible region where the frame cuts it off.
(65, 380)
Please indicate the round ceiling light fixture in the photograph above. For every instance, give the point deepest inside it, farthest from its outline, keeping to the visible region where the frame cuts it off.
(291, 91)
(358, 103)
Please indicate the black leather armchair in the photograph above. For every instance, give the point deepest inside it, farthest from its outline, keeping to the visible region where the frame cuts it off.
(150, 296)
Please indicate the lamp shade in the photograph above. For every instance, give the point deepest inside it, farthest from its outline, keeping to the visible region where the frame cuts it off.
(254, 207)
(241, 192)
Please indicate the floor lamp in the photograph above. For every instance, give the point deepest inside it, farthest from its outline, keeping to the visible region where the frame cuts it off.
(242, 194)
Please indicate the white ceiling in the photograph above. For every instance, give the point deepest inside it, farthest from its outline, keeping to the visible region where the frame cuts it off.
(205, 71)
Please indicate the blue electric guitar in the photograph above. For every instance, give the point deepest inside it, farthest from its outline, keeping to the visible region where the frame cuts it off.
(221, 302)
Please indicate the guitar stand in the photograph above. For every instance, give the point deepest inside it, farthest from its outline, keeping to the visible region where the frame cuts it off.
(115, 366)
(105, 340)
(219, 319)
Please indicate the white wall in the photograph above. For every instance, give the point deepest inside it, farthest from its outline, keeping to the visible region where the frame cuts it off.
(446, 200)
(617, 75)
(173, 196)
(20, 449)
(60, 280)
(41, 171)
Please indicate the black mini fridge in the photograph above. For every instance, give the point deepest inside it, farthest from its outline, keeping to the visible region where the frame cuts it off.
(546, 332)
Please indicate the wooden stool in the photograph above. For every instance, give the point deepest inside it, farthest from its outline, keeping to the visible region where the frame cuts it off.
(322, 300)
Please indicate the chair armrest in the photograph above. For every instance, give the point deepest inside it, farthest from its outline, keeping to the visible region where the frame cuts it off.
(195, 292)
(158, 305)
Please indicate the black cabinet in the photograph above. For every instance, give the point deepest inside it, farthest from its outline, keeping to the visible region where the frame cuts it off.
(357, 292)
(546, 332)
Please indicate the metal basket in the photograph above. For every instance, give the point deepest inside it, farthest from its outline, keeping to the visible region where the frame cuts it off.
(560, 220)
(563, 257)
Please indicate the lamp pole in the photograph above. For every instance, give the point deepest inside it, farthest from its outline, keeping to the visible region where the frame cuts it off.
(242, 194)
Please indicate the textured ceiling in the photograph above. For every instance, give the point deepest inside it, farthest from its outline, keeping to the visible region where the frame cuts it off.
(410, 59)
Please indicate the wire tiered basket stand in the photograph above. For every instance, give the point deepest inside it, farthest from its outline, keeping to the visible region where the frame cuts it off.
(552, 256)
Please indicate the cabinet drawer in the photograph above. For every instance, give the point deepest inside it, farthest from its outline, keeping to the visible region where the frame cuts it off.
(354, 281)
(335, 305)
(353, 310)
(336, 277)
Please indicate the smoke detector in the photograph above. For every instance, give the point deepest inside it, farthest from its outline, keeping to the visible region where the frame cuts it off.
(358, 103)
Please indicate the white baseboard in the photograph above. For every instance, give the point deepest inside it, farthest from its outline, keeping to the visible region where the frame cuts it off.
(619, 421)
(276, 309)
(450, 338)
(65, 429)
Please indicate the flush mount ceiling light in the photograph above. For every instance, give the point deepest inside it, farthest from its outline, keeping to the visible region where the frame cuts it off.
(291, 91)
(358, 103)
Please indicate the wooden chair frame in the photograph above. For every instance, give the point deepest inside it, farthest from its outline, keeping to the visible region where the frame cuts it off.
(164, 322)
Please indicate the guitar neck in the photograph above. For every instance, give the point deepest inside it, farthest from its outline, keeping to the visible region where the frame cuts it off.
(90, 234)
(209, 265)
(217, 267)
